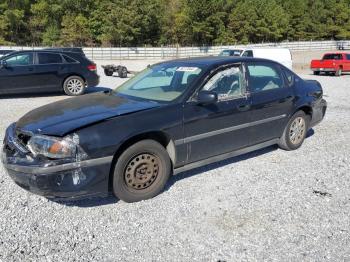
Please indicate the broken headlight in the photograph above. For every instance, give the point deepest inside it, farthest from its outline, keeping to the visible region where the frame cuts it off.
(52, 147)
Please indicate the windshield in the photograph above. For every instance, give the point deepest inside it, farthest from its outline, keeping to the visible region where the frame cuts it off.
(231, 53)
(163, 82)
(333, 57)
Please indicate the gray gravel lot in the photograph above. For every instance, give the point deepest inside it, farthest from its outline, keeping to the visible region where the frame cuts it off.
(269, 205)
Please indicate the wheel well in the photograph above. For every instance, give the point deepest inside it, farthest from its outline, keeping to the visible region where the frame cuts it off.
(307, 110)
(161, 137)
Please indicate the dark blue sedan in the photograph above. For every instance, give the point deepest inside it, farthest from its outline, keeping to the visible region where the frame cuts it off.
(169, 118)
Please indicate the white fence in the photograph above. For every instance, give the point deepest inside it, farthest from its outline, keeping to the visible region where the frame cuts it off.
(116, 53)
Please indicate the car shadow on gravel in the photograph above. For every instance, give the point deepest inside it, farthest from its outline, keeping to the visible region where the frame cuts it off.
(88, 90)
(89, 202)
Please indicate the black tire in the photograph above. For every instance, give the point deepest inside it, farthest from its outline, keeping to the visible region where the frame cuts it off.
(108, 72)
(339, 72)
(288, 141)
(123, 72)
(74, 86)
(316, 73)
(141, 171)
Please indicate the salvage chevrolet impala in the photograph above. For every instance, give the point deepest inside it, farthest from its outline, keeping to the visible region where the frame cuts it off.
(171, 117)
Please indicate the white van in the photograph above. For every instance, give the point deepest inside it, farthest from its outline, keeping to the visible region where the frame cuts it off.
(281, 55)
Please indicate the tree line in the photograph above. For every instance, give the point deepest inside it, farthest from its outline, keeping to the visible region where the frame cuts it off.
(170, 22)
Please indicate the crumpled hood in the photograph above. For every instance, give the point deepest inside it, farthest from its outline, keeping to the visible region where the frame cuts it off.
(60, 118)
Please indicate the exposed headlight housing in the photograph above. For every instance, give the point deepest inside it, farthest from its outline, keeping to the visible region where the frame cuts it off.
(52, 147)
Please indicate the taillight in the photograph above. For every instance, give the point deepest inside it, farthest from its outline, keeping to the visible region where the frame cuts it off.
(92, 67)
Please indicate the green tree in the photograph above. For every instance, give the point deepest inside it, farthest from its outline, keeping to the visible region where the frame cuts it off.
(75, 30)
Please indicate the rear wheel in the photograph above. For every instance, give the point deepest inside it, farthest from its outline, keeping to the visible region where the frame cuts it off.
(339, 72)
(316, 73)
(74, 86)
(295, 132)
(123, 72)
(141, 171)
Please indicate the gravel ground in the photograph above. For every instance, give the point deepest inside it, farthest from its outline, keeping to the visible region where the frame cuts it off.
(269, 205)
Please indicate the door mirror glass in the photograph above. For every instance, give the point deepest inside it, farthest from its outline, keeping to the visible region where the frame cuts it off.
(207, 97)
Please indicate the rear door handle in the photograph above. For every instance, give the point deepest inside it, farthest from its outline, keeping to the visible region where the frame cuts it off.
(30, 69)
(287, 99)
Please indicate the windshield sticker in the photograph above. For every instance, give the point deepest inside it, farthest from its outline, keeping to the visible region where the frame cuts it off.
(187, 69)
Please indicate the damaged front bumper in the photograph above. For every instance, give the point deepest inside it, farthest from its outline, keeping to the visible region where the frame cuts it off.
(54, 179)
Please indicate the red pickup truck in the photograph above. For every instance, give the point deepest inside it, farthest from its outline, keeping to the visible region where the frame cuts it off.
(334, 63)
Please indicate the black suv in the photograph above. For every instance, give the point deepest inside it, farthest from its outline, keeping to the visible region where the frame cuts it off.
(46, 71)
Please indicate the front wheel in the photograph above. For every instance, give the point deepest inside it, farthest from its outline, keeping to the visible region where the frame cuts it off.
(74, 86)
(316, 73)
(141, 171)
(108, 72)
(295, 132)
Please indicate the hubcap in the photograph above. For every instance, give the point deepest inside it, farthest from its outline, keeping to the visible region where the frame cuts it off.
(75, 86)
(142, 171)
(297, 131)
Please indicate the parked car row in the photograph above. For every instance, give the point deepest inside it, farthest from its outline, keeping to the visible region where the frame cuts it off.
(335, 63)
(49, 70)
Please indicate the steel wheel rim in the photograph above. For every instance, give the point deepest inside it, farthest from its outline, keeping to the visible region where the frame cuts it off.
(297, 131)
(75, 86)
(141, 171)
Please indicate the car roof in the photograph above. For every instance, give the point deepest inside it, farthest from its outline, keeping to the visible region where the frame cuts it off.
(43, 50)
(216, 60)
(337, 53)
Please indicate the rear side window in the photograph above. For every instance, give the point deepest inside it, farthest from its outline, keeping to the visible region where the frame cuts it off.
(69, 59)
(264, 77)
(348, 56)
(49, 58)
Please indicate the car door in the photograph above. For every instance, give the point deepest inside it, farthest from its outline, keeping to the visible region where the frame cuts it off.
(16, 76)
(272, 98)
(50, 69)
(221, 127)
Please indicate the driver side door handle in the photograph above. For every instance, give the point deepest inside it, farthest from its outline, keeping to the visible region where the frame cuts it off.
(244, 108)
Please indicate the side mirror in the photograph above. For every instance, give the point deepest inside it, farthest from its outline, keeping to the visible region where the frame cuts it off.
(3, 64)
(207, 97)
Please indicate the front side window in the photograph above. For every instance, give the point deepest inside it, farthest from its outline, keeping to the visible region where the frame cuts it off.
(228, 84)
(20, 60)
(49, 58)
(163, 82)
(263, 78)
(348, 56)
